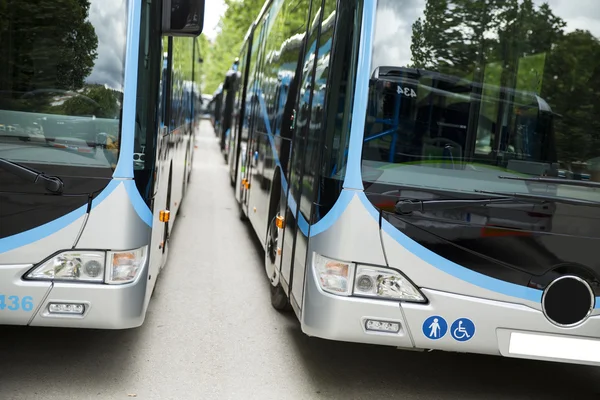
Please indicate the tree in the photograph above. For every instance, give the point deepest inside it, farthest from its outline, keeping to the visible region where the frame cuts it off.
(233, 26)
(46, 44)
(517, 45)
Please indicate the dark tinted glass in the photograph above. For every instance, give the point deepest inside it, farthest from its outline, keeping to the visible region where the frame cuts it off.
(464, 92)
(61, 81)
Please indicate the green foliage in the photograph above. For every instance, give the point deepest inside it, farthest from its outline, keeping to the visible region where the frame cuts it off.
(46, 44)
(233, 27)
(516, 44)
(94, 100)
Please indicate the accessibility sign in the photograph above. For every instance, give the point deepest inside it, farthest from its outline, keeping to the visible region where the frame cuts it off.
(435, 327)
(462, 330)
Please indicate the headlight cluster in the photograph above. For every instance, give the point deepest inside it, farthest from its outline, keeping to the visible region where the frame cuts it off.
(347, 279)
(113, 267)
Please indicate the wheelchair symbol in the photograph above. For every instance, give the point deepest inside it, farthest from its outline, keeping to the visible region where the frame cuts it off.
(462, 329)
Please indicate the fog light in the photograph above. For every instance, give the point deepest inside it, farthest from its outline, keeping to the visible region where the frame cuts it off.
(66, 308)
(382, 326)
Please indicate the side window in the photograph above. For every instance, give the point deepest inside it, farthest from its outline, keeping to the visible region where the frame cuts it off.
(338, 104)
(252, 98)
(285, 72)
(319, 89)
(303, 110)
(240, 88)
(148, 92)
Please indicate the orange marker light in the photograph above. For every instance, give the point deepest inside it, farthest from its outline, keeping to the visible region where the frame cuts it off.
(280, 222)
(164, 215)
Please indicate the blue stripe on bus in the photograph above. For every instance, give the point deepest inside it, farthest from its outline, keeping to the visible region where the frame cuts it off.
(449, 267)
(42, 231)
(302, 222)
(338, 208)
(138, 203)
(353, 179)
(124, 168)
(334, 214)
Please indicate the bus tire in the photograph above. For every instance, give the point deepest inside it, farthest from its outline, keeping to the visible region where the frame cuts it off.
(279, 299)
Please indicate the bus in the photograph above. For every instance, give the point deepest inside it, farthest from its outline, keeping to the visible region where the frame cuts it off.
(103, 102)
(408, 190)
(216, 109)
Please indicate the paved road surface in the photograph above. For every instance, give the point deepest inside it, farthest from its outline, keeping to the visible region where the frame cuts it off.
(211, 334)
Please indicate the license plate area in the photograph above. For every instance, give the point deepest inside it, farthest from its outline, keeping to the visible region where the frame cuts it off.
(544, 346)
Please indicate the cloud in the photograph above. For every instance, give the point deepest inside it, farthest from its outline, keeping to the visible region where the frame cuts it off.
(109, 18)
(212, 14)
(393, 27)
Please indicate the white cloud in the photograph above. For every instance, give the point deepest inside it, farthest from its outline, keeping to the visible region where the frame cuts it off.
(109, 18)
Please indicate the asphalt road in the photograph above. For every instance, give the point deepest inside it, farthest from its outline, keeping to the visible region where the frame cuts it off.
(211, 333)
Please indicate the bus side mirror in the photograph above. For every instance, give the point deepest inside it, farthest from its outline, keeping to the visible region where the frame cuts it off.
(183, 17)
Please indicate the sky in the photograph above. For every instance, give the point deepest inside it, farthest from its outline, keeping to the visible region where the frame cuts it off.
(393, 30)
(214, 9)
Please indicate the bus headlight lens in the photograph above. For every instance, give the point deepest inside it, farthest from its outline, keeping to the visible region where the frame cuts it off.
(385, 283)
(124, 266)
(333, 276)
(83, 266)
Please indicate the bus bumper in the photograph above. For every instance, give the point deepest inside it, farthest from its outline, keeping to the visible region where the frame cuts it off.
(106, 306)
(498, 328)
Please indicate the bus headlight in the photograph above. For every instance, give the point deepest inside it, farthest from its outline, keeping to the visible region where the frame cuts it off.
(124, 266)
(334, 276)
(82, 266)
(385, 283)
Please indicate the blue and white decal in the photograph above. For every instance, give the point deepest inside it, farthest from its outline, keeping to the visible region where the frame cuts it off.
(462, 330)
(435, 327)
(16, 303)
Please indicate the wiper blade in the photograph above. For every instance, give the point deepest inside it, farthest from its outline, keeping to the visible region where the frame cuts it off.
(570, 182)
(51, 183)
(544, 198)
(409, 206)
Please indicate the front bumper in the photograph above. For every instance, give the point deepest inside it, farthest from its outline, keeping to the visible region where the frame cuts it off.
(496, 324)
(107, 306)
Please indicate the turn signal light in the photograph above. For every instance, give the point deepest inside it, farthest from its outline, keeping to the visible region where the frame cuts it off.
(280, 222)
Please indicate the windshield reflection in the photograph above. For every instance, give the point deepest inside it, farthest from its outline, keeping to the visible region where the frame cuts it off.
(464, 92)
(61, 85)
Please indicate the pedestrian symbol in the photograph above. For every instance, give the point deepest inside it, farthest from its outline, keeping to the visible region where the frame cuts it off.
(435, 327)
(462, 329)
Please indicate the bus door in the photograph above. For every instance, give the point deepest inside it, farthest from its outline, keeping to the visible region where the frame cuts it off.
(252, 152)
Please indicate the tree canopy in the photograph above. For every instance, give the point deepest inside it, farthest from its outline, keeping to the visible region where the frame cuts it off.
(233, 26)
(516, 44)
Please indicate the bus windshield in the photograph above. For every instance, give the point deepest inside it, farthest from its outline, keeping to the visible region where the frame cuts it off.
(61, 81)
(466, 118)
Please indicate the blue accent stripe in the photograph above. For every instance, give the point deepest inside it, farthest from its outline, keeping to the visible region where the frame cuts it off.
(138, 203)
(42, 231)
(334, 214)
(302, 222)
(124, 168)
(353, 179)
(449, 267)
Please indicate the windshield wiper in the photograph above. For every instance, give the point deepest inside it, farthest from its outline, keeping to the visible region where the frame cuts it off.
(51, 183)
(544, 198)
(571, 182)
(409, 206)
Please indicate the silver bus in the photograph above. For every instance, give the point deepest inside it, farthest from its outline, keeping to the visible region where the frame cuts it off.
(405, 165)
(99, 101)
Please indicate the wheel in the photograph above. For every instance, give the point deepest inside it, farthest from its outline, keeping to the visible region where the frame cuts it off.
(279, 299)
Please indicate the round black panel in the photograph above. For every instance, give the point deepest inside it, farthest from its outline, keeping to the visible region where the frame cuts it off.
(568, 301)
